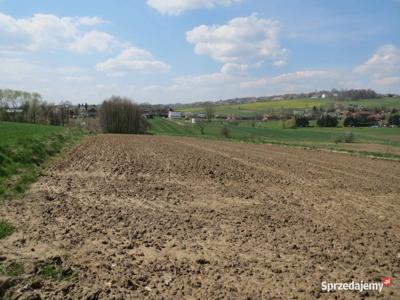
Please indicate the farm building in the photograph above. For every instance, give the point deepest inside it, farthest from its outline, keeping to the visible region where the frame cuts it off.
(232, 117)
(266, 117)
(174, 114)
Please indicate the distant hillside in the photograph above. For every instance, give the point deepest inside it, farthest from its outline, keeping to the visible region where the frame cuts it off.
(268, 106)
(352, 94)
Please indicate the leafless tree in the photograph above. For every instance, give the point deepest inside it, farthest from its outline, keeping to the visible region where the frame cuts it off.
(209, 109)
(121, 115)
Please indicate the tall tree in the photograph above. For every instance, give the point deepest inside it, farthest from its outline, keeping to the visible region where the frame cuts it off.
(209, 109)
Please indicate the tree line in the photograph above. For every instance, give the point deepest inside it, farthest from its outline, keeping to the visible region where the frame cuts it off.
(20, 106)
(117, 115)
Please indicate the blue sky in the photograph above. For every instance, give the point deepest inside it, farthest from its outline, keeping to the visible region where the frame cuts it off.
(162, 51)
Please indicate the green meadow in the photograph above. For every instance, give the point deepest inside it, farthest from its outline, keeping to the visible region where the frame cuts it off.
(256, 108)
(273, 132)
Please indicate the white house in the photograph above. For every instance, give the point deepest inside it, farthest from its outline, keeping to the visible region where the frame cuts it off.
(174, 114)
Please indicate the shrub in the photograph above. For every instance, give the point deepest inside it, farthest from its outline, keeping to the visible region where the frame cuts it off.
(301, 121)
(121, 115)
(289, 124)
(359, 121)
(350, 122)
(201, 125)
(225, 132)
(394, 119)
(327, 121)
(348, 137)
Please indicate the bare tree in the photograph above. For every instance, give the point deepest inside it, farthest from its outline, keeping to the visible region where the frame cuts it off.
(201, 125)
(34, 108)
(121, 115)
(209, 109)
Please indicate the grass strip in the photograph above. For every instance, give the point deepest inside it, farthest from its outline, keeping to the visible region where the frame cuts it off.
(22, 161)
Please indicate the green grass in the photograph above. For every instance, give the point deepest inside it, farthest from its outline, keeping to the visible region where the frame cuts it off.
(261, 107)
(56, 272)
(13, 269)
(22, 156)
(11, 132)
(6, 229)
(272, 132)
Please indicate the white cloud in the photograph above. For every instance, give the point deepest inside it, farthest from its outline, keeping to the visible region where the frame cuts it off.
(132, 59)
(50, 32)
(302, 78)
(230, 73)
(93, 41)
(382, 70)
(385, 61)
(300, 75)
(91, 21)
(54, 83)
(242, 40)
(176, 7)
(232, 68)
(387, 81)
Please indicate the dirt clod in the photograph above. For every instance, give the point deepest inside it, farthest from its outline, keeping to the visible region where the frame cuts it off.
(133, 217)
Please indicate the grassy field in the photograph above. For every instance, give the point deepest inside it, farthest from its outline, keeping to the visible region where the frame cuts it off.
(23, 150)
(272, 132)
(10, 132)
(255, 108)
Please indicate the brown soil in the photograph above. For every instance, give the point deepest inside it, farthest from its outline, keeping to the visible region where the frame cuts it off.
(180, 218)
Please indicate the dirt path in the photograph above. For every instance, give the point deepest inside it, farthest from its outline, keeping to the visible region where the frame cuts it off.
(127, 217)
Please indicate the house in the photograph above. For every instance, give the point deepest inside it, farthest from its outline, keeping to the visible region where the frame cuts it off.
(174, 114)
(266, 118)
(277, 98)
(231, 117)
(92, 112)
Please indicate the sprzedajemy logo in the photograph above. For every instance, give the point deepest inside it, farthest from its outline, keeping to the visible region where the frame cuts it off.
(356, 286)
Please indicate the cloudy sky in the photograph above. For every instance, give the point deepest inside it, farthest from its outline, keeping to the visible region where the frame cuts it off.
(168, 51)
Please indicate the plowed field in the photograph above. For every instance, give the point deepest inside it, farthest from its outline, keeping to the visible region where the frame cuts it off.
(127, 217)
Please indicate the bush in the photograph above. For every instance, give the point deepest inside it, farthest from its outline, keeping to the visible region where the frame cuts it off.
(348, 137)
(327, 121)
(350, 122)
(359, 121)
(394, 119)
(289, 124)
(225, 132)
(201, 125)
(121, 115)
(301, 121)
